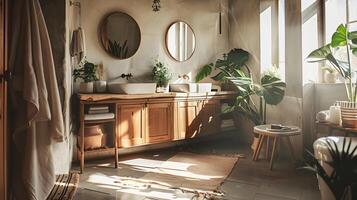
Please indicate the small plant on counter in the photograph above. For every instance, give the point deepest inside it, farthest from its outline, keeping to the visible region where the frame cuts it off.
(88, 73)
(161, 74)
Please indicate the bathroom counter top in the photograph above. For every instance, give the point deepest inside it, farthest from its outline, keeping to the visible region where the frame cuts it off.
(172, 95)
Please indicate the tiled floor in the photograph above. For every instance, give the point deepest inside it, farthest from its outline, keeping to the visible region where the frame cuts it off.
(248, 179)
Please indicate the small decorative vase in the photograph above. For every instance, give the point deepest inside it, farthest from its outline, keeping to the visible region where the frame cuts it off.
(100, 86)
(330, 77)
(348, 113)
(86, 87)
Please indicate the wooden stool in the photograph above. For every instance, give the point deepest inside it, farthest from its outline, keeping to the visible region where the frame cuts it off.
(265, 133)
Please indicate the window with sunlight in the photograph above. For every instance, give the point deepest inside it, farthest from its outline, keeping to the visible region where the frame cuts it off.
(266, 39)
(310, 38)
(281, 22)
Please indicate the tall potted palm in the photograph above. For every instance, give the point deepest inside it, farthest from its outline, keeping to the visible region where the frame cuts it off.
(346, 42)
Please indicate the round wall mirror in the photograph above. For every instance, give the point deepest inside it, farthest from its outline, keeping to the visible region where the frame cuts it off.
(180, 41)
(120, 35)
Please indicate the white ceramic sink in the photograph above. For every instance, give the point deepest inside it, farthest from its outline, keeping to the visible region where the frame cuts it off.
(132, 88)
(183, 87)
(191, 87)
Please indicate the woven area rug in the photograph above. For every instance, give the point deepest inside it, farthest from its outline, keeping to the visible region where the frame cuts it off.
(193, 171)
(65, 187)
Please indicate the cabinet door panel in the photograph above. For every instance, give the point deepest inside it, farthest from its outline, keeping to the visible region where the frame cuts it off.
(131, 120)
(187, 123)
(160, 121)
(209, 117)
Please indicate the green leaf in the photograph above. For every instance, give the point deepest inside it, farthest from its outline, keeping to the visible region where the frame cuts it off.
(339, 37)
(204, 72)
(273, 89)
(353, 36)
(319, 54)
(238, 56)
(219, 77)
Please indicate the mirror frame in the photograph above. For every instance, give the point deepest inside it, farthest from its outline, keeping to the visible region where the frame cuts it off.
(100, 30)
(166, 40)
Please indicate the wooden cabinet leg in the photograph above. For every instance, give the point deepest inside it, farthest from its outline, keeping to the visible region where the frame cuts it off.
(262, 139)
(273, 152)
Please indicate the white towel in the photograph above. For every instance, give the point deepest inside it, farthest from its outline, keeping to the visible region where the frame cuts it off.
(323, 116)
(102, 116)
(36, 105)
(78, 48)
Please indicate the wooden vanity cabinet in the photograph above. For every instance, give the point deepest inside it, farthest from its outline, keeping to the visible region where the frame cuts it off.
(154, 118)
(131, 120)
(196, 118)
(159, 124)
(187, 123)
(209, 116)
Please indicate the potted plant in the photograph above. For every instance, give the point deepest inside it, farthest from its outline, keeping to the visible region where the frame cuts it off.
(338, 53)
(88, 73)
(161, 75)
(233, 68)
(330, 74)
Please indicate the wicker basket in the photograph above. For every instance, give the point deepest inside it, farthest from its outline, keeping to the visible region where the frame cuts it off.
(348, 113)
(92, 130)
(95, 141)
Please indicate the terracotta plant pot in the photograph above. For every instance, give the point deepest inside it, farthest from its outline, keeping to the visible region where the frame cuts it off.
(348, 113)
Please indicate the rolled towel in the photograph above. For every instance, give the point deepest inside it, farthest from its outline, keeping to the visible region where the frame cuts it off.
(323, 116)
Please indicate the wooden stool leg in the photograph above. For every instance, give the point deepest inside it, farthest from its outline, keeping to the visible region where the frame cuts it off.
(256, 148)
(260, 147)
(273, 152)
(291, 148)
(267, 148)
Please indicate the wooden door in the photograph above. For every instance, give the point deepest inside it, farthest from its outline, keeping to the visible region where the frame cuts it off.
(131, 121)
(3, 138)
(159, 123)
(210, 117)
(187, 122)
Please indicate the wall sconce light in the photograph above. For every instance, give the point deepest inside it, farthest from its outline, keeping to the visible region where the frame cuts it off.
(156, 6)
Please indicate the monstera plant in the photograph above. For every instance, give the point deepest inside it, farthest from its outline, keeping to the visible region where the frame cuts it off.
(233, 68)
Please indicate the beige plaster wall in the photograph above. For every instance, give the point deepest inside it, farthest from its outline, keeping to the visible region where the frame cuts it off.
(201, 15)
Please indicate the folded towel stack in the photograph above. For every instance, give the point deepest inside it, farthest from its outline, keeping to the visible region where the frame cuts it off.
(99, 113)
